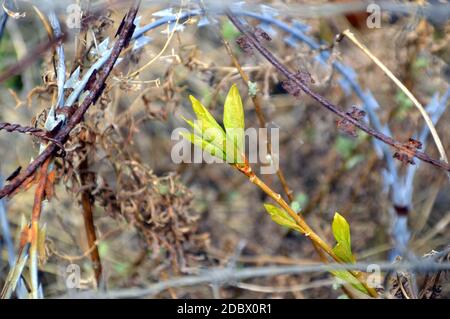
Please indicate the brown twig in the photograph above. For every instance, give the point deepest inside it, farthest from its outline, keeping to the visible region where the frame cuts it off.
(405, 90)
(300, 85)
(88, 217)
(126, 31)
(320, 245)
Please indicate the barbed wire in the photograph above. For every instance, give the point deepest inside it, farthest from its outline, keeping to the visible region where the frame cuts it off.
(231, 275)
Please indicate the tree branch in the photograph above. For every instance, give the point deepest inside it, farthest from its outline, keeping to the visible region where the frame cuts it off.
(254, 42)
(125, 34)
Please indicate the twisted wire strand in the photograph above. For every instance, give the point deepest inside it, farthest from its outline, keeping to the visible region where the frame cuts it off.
(34, 131)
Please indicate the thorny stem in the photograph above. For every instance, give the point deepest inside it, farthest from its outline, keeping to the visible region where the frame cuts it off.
(256, 99)
(316, 240)
(327, 104)
(125, 34)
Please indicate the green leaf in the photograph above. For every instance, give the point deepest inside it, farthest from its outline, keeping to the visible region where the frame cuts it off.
(212, 137)
(341, 232)
(343, 249)
(347, 277)
(229, 31)
(191, 124)
(207, 127)
(233, 114)
(281, 217)
(206, 120)
(234, 122)
(204, 145)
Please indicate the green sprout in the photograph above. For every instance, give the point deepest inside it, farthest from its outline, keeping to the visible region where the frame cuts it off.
(227, 144)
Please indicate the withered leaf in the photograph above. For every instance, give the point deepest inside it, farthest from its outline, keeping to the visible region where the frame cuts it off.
(346, 126)
(292, 87)
(407, 151)
(244, 44)
(50, 185)
(262, 35)
(305, 77)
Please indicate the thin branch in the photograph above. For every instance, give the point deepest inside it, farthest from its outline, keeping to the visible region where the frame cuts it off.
(327, 104)
(320, 245)
(256, 99)
(125, 35)
(278, 290)
(88, 218)
(405, 90)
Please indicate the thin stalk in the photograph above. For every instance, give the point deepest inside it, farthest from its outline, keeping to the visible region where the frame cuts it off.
(316, 240)
(36, 214)
(15, 272)
(88, 218)
(125, 34)
(256, 99)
